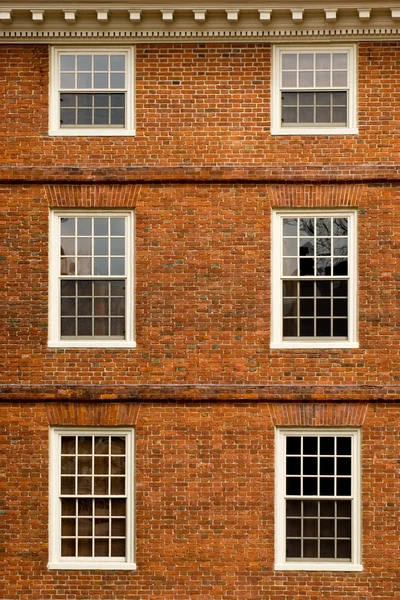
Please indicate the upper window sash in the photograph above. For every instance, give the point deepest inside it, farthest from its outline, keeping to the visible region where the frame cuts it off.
(92, 91)
(315, 87)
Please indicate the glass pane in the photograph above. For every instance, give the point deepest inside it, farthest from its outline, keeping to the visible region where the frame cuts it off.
(100, 326)
(323, 60)
(323, 114)
(339, 60)
(67, 226)
(84, 547)
(85, 444)
(101, 246)
(290, 328)
(84, 526)
(290, 227)
(327, 445)
(117, 62)
(118, 527)
(310, 508)
(68, 485)
(100, 81)
(117, 547)
(289, 98)
(327, 508)
(293, 466)
(310, 527)
(117, 246)
(68, 527)
(306, 267)
(306, 61)
(310, 548)
(290, 266)
(101, 486)
(323, 308)
(101, 117)
(102, 507)
(293, 487)
(289, 79)
(339, 78)
(68, 116)
(84, 81)
(327, 548)
(290, 288)
(306, 288)
(84, 266)
(67, 62)
(340, 327)
(340, 266)
(84, 62)
(101, 547)
(290, 307)
(293, 508)
(100, 288)
(310, 445)
(327, 466)
(323, 99)
(84, 226)
(310, 486)
(340, 227)
(100, 266)
(84, 246)
(100, 226)
(117, 266)
(117, 227)
(293, 548)
(344, 549)
(339, 114)
(101, 445)
(118, 485)
(344, 528)
(67, 547)
(85, 465)
(343, 466)
(101, 527)
(67, 327)
(118, 507)
(306, 307)
(85, 116)
(68, 444)
(67, 81)
(101, 465)
(306, 114)
(310, 466)
(327, 486)
(293, 527)
(343, 446)
(117, 100)
(344, 508)
(68, 506)
(306, 327)
(289, 115)
(306, 79)
(323, 78)
(293, 445)
(117, 81)
(85, 508)
(306, 247)
(84, 485)
(289, 61)
(101, 62)
(324, 328)
(84, 306)
(101, 306)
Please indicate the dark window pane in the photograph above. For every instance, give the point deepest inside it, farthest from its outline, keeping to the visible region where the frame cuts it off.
(101, 486)
(323, 114)
(117, 547)
(101, 288)
(339, 114)
(310, 508)
(310, 445)
(306, 227)
(323, 288)
(327, 445)
(327, 466)
(293, 527)
(117, 100)
(117, 288)
(293, 445)
(84, 547)
(68, 507)
(289, 115)
(85, 465)
(100, 326)
(290, 307)
(85, 507)
(293, 466)
(310, 548)
(310, 466)
(84, 306)
(101, 445)
(68, 485)
(327, 549)
(306, 114)
(84, 288)
(84, 326)
(101, 116)
(327, 508)
(310, 486)
(293, 508)
(101, 465)
(327, 486)
(67, 547)
(101, 527)
(340, 226)
(323, 99)
(67, 327)
(67, 288)
(340, 266)
(101, 306)
(323, 308)
(68, 444)
(344, 549)
(118, 465)
(310, 527)
(293, 549)
(118, 327)
(343, 466)
(306, 308)
(67, 101)
(324, 247)
(344, 508)
(340, 247)
(101, 547)
(289, 98)
(344, 528)
(118, 486)
(118, 507)
(293, 486)
(118, 527)
(84, 485)
(101, 100)
(327, 528)
(118, 307)
(68, 527)
(85, 116)
(343, 486)
(85, 527)
(306, 99)
(306, 288)
(306, 266)
(102, 507)
(340, 327)
(67, 116)
(324, 266)
(323, 327)
(340, 288)
(290, 328)
(117, 116)
(306, 327)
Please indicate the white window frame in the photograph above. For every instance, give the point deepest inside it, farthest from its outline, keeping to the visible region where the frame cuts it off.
(281, 564)
(312, 129)
(54, 91)
(68, 563)
(277, 340)
(55, 340)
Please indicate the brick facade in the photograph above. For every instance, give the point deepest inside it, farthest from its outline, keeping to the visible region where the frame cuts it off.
(203, 388)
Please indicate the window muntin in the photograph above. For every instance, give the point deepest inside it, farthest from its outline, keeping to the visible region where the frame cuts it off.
(314, 279)
(91, 498)
(91, 279)
(314, 90)
(91, 92)
(318, 504)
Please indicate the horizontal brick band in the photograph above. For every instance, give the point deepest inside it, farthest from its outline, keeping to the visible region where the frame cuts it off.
(228, 174)
(237, 393)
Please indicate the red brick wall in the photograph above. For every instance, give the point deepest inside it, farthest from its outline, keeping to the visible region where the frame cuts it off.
(199, 104)
(202, 289)
(204, 501)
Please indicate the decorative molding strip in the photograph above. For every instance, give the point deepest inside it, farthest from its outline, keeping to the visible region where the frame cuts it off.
(157, 393)
(51, 36)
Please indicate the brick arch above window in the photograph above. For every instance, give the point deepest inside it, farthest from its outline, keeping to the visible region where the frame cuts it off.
(318, 415)
(92, 196)
(81, 414)
(315, 196)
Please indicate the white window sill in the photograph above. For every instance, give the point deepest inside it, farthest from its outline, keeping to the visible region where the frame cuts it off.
(317, 566)
(309, 344)
(92, 344)
(84, 566)
(92, 132)
(314, 131)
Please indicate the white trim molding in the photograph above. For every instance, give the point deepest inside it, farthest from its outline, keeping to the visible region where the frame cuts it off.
(349, 556)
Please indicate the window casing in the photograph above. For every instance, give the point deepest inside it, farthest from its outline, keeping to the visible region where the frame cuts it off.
(317, 505)
(91, 91)
(91, 498)
(314, 275)
(314, 90)
(91, 279)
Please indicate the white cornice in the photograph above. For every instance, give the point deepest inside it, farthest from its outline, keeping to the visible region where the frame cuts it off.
(234, 20)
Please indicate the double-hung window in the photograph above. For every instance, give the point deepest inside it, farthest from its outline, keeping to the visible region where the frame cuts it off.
(314, 90)
(91, 92)
(91, 279)
(314, 275)
(91, 498)
(317, 509)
